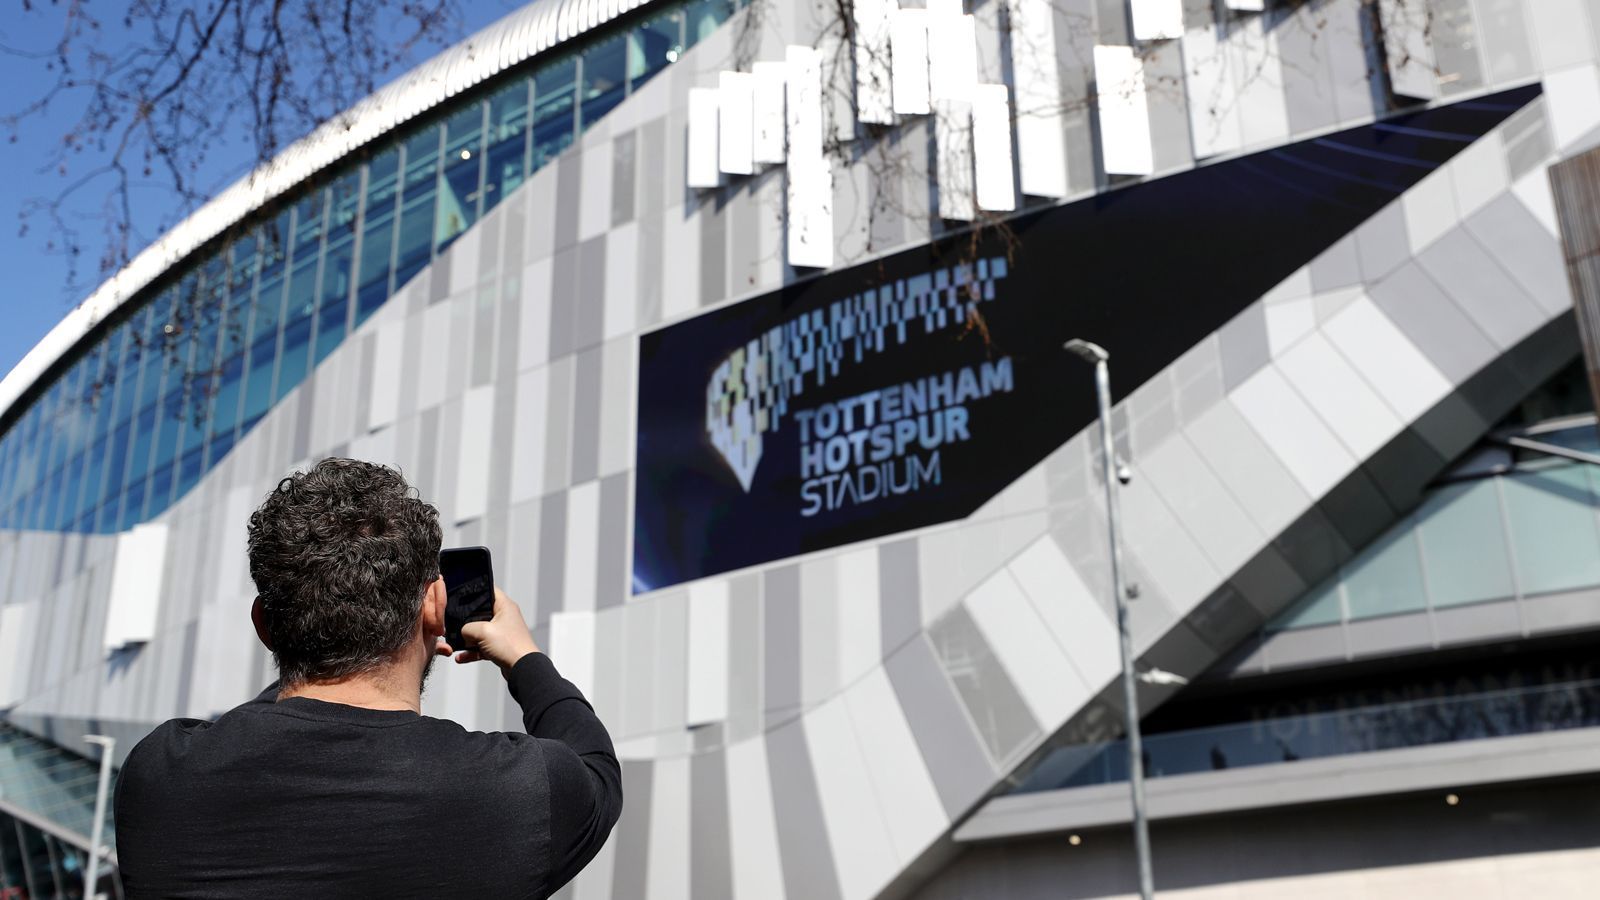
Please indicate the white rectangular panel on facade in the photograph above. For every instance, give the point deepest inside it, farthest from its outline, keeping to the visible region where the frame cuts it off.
(908, 45)
(769, 121)
(1041, 131)
(735, 122)
(991, 148)
(708, 653)
(953, 56)
(1124, 111)
(1408, 54)
(703, 171)
(1246, 5)
(803, 92)
(952, 136)
(810, 213)
(838, 113)
(136, 573)
(1156, 20)
(1213, 106)
(874, 93)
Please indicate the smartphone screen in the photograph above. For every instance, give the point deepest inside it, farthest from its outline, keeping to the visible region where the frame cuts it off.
(468, 588)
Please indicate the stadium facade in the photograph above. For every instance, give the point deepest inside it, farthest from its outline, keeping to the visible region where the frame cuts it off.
(735, 332)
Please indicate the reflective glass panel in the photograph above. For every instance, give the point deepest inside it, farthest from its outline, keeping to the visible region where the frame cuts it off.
(1386, 578)
(415, 247)
(463, 166)
(377, 238)
(1463, 544)
(508, 132)
(554, 98)
(654, 45)
(604, 77)
(1551, 515)
(1320, 606)
(703, 17)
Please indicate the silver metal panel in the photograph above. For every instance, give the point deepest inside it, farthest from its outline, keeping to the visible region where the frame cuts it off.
(702, 169)
(804, 94)
(991, 148)
(952, 137)
(908, 43)
(735, 128)
(874, 96)
(769, 106)
(1124, 112)
(1156, 20)
(1041, 126)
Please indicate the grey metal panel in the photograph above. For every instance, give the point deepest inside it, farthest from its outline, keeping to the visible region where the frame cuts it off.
(953, 753)
(565, 295)
(1469, 275)
(808, 866)
(623, 168)
(710, 862)
(558, 424)
(991, 698)
(611, 582)
(1243, 346)
(1520, 244)
(1435, 324)
(1385, 636)
(552, 555)
(586, 399)
(591, 304)
(630, 873)
(1382, 243)
(713, 250)
(569, 185)
(780, 628)
(899, 593)
(744, 656)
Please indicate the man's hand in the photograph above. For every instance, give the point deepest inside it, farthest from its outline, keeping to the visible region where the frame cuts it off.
(502, 640)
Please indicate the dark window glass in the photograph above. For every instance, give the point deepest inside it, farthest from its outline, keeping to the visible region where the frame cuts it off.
(296, 350)
(605, 80)
(377, 238)
(654, 45)
(169, 418)
(415, 246)
(258, 382)
(463, 166)
(160, 490)
(508, 136)
(116, 461)
(189, 468)
(554, 96)
(704, 17)
(132, 505)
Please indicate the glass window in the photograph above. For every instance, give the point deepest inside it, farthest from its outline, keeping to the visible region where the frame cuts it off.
(1320, 606)
(703, 17)
(1386, 578)
(296, 351)
(554, 96)
(1551, 515)
(377, 238)
(654, 45)
(333, 302)
(415, 246)
(463, 167)
(604, 77)
(508, 133)
(1464, 545)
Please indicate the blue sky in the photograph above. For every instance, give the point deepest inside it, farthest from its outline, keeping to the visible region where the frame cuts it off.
(36, 294)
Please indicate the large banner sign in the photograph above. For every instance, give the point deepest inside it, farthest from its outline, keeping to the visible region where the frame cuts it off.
(910, 390)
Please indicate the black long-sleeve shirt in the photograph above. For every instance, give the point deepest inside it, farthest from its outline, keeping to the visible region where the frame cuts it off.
(303, 798)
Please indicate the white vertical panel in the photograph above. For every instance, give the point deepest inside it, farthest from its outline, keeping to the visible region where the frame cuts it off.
(953, 56)
(1124, 112)
(1041, 136)
(1246, 5)
(768, 114)
(1038, 666)
(906, 795)
(385, 380)
(803, 90)
(1075, 617)
(752, 824)
(472, 476)
(863, 854)
(991, 148)
(14, 651)
(1213, 105)
(735, 122)
(908, 45)
(859, 619)
(528, 437)
(952, 135)
(874, 94)
(708, 652)
(1156, 20)
(136, 572)
(583, 540)
(667, 869)
(703, 171)
(1407, 50)
(810, 220)
(838, 113)
(572, 648)
(1256, 67)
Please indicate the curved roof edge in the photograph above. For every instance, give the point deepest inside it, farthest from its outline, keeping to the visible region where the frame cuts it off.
(520, 36)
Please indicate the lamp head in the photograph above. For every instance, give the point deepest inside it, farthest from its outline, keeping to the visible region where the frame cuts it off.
(1087, 351)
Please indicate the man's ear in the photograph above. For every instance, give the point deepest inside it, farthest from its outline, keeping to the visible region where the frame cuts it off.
(258, 618)
(433, 609)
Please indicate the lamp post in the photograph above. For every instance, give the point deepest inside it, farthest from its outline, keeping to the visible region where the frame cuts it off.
(1097, 355)
(91, 876)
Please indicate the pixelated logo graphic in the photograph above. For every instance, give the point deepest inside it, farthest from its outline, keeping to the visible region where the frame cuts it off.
(750, 392)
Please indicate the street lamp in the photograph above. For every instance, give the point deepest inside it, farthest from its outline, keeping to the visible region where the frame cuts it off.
(1114, 475)
(91, 876)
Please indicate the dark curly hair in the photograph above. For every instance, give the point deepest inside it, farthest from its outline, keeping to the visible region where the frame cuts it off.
(341, 556)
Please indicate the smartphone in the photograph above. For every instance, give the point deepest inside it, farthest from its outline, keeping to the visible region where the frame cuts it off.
(468, 589)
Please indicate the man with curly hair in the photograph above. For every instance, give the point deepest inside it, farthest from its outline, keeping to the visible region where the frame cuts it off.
(331, 783)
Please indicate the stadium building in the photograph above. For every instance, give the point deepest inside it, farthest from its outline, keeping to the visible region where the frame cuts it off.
(735, 331)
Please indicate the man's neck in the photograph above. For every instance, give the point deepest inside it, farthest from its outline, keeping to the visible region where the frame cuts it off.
(383, 689)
